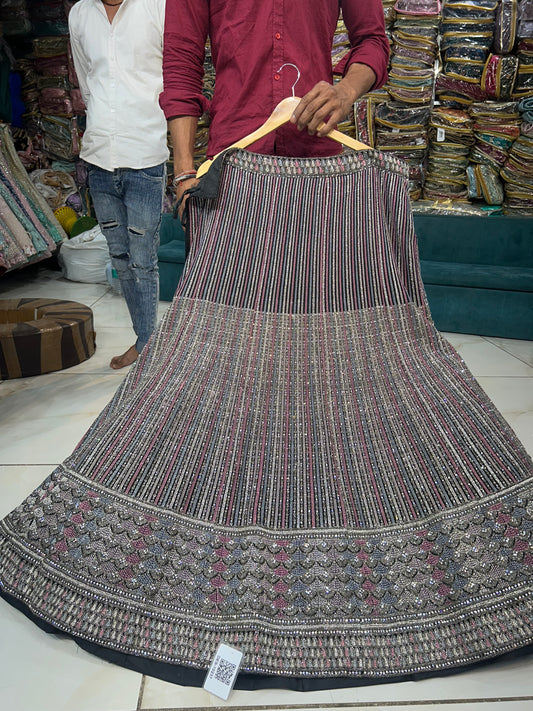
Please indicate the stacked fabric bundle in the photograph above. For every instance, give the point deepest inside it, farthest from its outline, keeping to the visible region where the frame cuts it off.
(500, 71)
(517, 171)
(55, 121)
(400, 124)
(451, 136)
(525, 19)
(28, 229)
(25, 67)
(51, 64)
(48, 17)
(15, 18)
(524, 79)
(496, 126)
(402, 130)
(390, 17)
(467, 30)
(364, 116)
(414, 50)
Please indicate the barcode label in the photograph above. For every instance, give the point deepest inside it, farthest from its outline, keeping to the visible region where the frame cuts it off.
(223, 671)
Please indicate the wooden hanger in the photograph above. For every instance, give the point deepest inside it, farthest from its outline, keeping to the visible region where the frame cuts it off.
(281, 115)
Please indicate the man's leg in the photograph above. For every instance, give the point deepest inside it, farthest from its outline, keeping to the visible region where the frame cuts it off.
(107, 196)
(143, 198)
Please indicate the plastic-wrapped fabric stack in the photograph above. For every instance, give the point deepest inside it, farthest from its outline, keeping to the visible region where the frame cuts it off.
(15, 18)
(451, 136)
(401, 122)
(496, 126)
(467, 31)
(524, 50)
(364, 116)
(29, 230)
(390, 17)
(414, 50)
(402, 129)
(517, 171)
(500, 71)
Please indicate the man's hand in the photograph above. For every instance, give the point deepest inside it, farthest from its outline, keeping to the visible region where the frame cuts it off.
(327, 104)
(181, 188)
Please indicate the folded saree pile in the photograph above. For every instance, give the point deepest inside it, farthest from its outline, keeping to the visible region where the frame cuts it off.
(298, 464)
(28, 229)
(517, 172)
(414, 50)
(496, 127)
(451, 136)
(467, 30)
(402, 130)
(524, 79)
(15, 18)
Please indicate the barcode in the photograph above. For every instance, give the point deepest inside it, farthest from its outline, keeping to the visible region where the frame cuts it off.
(225, 671)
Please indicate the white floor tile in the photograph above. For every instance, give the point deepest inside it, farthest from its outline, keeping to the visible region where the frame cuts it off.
(523, 350)
(487, 358)
(500, 680)
(514, 399)
(159, 694)
(43, 418)
(44, 672)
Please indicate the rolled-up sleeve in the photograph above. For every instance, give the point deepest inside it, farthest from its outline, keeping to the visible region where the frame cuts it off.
(365, 22)
(186, 28)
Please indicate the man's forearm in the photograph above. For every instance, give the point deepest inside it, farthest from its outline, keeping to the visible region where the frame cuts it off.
(183, 132)
(358, 80)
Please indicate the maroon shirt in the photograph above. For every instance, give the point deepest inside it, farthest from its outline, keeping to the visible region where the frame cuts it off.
(250, 40)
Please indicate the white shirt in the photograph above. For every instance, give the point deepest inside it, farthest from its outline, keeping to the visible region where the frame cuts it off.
(119, 68)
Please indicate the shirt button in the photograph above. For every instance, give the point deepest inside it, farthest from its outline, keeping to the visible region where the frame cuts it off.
(277, 77)
(277, 35)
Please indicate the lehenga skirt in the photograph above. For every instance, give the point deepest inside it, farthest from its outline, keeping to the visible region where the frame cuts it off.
(298, 464)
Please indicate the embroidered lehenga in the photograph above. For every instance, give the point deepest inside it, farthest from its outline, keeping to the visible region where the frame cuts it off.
(298, 464)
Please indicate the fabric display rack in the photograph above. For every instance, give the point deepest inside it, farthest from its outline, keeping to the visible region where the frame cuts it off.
(43, 149)
(29, 230)
(458, 103)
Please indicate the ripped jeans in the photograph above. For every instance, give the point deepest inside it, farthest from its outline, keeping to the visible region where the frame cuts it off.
(128, 204)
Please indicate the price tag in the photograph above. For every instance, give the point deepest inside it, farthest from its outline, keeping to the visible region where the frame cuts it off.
(223, 671)
(441, 135)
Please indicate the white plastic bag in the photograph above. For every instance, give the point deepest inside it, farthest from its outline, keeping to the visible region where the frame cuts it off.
(85, 257)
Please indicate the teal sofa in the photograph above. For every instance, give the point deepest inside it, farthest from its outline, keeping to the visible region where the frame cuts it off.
(171, 255)
(478, 273)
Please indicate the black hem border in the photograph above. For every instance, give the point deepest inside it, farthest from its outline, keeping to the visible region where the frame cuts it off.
(189, 676)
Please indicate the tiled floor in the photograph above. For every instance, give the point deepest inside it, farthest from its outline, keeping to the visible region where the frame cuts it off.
(43, 417)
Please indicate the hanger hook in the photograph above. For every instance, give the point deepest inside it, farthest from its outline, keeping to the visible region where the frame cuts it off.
(289, 64)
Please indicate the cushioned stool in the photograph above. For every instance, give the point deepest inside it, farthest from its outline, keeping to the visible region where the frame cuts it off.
(42, 335)
(171, 255)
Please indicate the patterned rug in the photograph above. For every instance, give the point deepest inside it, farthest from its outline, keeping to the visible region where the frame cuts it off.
(298, 464)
